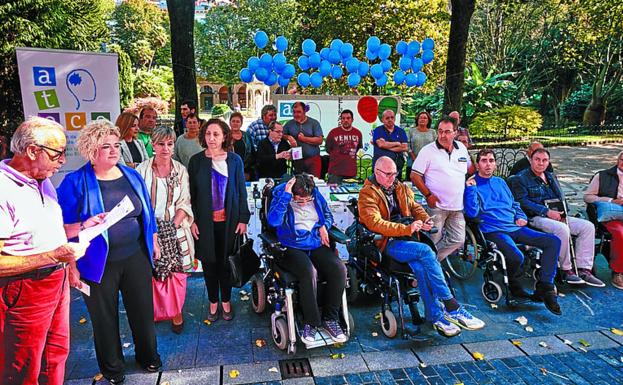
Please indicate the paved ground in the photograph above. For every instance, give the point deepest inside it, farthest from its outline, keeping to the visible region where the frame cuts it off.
(577, 347)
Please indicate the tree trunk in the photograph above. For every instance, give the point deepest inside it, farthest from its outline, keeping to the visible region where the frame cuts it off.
(462, 11)
(595, 113)
(182, 20)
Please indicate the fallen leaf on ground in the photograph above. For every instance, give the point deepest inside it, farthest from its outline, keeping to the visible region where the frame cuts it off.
(338, 345)
(544, 371)
(243, 292)
(584, 343)
(543, 344)
(478, 356)
(126, 344)
(583, 349)
(82, 321)
(529, 329)
(616, 331)
(260, 343)
(423, 364)
(273, 369)
(458, 383)
(336, 356)
(567, 342)
(233, 373)
(98, 377)
(377, 316)
(375, 334)
(244, 298)
(207, 322)
(523, 321)
(494, 305)
(517, 343)
(165, 383)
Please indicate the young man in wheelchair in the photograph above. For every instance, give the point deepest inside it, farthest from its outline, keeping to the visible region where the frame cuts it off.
(382, 202)
(489, 199)
(301, 218)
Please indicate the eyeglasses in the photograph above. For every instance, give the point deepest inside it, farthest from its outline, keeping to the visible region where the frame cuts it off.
(303, 200)
(57, 153)
(446, 132)
(388, 174)
(278, 131)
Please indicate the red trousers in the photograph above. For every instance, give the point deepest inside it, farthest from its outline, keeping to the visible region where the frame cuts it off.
(34, 330)
(616, 246)
(312, 165)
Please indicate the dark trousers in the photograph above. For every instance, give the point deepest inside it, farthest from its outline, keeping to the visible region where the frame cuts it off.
(131, 276)
(307, 266)
(506, 243)
(217, 274)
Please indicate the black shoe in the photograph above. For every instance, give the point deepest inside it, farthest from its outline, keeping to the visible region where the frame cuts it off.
(153, 368)
(545, 293)
(116, 379)
(517, 291)
(213, 316)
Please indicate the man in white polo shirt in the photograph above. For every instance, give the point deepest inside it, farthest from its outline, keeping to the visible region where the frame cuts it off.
(34, 290)
(439, 173)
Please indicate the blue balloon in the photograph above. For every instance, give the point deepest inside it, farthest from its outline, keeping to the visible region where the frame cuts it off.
(421, 79)
(324, 53)
(281, 43)
(253, 63)
(427, 56)
(381, 81)
(387, 65)
(309, 46)
(346, 50)
(336, 72)
(303, 63)
(371, 55)
(352, 65)
(416, 64)
(303, 79)
(315, 79)
(410, 80)
(336, 44)
(376, 71)
(271, 80)
(260, 39)
(404, 63)
(353, 80)
(428, 44)
(288, 71)
(266, 61)
(401, 47)
(246, 75)
(363, 69)
(314, 60)
(324, 68)
(384, 51)
(261, 74)
(279, 62)
(399, 77)
(283, 82)
(334, 57)
(413, 48)
(373, 44)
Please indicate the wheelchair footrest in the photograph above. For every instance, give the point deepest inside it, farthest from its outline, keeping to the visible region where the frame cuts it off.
(322, 339)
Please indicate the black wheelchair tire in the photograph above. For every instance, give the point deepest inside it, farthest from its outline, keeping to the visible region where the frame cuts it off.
(258, 293)
(455, 262)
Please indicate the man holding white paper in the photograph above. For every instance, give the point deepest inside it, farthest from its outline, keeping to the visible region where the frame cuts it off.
(305, 136)
(34, 252)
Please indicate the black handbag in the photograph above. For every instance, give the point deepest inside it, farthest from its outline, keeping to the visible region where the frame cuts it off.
(244, 262)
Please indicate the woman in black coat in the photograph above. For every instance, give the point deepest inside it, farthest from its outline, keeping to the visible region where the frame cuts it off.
(219, 202)
(273, 152)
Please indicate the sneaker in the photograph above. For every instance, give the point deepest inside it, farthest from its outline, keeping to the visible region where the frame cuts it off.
(446, 328)
(462, 318)
(590, 279)
(309, 334)
(617, 280)
(335, 330)
(569, 277)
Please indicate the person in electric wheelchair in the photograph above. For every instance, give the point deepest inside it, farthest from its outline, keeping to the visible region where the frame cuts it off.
(382, 202)
(302, 219)
(502, 222)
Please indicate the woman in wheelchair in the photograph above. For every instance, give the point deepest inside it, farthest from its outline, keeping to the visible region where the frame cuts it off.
(382, 202)
(301, 218)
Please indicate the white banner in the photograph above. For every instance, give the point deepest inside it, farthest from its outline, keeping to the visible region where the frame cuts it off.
(71, 88)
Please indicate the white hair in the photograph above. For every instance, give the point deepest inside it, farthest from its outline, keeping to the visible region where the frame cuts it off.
(34, 130)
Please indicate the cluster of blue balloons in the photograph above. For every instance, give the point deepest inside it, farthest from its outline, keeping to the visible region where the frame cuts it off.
(410, 72)
(375, 50)
(328, 62)
(269, 69)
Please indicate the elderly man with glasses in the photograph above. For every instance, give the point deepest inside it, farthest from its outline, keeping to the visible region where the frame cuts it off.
(383, 201)
(34, 253)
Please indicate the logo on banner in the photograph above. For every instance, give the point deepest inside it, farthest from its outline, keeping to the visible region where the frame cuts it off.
(100, 115)
(55, 116)
(44, 76)
(81, 85)
(286, 110)
(47, 99)
(74, 121)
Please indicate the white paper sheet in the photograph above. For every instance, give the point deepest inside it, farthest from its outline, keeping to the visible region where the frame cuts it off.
(123, 208)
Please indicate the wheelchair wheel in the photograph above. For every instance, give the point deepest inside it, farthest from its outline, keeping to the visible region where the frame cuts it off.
(491, 291)
(258, 293)
(280, 334)
(352, 291)
(389, 324)
(462, 263)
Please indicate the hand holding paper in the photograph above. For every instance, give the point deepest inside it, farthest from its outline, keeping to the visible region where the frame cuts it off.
(123, 208)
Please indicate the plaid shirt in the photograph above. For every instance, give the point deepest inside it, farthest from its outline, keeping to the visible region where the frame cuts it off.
(258, 130)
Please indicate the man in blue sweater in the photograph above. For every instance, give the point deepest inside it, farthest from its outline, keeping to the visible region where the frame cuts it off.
(488, 198)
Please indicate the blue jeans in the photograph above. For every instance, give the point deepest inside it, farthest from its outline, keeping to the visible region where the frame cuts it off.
(427, 270)
(550, 244)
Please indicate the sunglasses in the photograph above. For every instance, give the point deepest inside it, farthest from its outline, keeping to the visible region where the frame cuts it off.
(57, 154)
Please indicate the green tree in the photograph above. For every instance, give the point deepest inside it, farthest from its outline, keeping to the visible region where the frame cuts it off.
(126, 78)
(61, 24)
(155, 82)
(142, 30)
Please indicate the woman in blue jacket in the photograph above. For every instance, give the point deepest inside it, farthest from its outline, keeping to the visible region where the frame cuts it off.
(301, 218)
(121, 258)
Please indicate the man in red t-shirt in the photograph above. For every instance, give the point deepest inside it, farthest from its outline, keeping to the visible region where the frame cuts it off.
(342, 145)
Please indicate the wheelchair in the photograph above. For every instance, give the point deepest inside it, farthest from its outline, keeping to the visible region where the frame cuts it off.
(370, 272)
(274, 285)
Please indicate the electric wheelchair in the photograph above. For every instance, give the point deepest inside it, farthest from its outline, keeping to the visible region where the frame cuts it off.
(274, 285)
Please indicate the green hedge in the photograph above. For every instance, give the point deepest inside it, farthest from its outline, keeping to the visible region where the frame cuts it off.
(220, 110)
(507, 121)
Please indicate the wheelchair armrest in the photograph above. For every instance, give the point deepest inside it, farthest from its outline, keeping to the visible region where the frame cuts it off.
(270, 240)
(473, 221)
(433, 230)
(338, 235)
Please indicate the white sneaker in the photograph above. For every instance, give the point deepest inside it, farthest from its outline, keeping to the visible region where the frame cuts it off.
(462, 318)
(446, 328)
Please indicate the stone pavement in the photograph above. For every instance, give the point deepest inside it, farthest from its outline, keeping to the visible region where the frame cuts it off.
(577, 347)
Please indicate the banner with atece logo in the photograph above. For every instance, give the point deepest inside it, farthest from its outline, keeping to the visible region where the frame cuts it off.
(71, 88)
